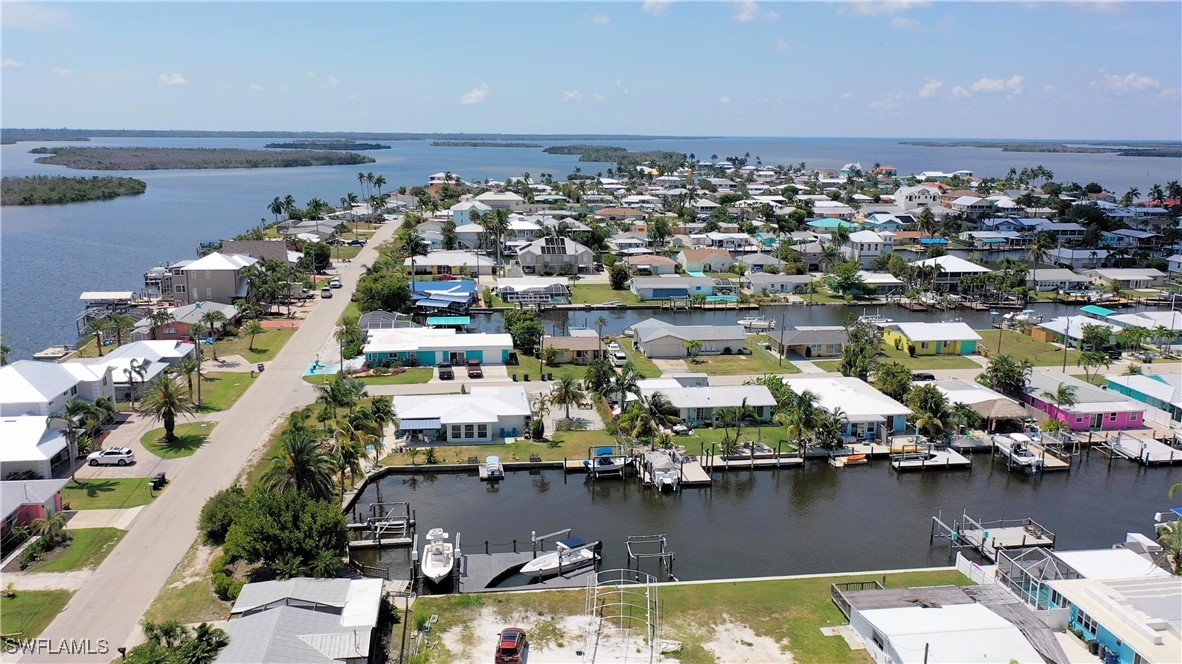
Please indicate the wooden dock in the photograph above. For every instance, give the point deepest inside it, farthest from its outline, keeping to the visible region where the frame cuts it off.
(990, 540)
(724, 464)
(692, 472)
(870, 449)
(1050, 460)
(933, 460)
(380, 542)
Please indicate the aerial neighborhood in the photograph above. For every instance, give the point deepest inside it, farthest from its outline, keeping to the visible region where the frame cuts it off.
(298, 422)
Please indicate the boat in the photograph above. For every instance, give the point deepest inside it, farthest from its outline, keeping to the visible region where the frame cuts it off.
(1014, 447)
(757, 323)
(874, 319)
(438, 556)
(569, 554)
(606, 461)
(852, 459)
(491, 470)
(663, 470)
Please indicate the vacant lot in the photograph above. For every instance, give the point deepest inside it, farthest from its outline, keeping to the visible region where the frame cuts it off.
(25, 615)
(1021, 347)
(758, 362)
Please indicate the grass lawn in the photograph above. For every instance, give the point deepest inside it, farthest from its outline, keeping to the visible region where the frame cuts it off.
(769, 434)
(88, 548)
(790, 611)
(221, 389)
(1099, 380)
(644, 366)
(266, 344)
(917, 363)
(411, 376)
(109, 493)
(570, 445)
(758, 362)
(188, 438)
(188, 595)
(1021, 347)
(25, 615)
(351, 309)
(600, 293)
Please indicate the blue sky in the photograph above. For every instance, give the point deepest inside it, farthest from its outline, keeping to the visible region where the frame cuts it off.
(938, 69)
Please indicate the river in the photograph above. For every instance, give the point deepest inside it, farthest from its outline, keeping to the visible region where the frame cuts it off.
(50, 254)
(780, 522)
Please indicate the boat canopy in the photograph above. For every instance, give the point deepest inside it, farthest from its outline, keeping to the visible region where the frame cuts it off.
(604, 451)
(572, 542)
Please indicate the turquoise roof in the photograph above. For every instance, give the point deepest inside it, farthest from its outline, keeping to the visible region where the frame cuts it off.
(1096, 310)
(449, 320)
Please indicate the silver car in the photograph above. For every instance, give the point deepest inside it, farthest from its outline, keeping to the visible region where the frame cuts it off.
(112, 456)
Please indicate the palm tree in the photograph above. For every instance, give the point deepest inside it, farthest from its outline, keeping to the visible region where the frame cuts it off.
(351, 438)
(158, 317)
(98, 327)
(1169, 536)
(1038, 252)
(382, 410)
(566, 392)
(692, 348)
(301, 465)
(361, 180)
(121, 323)
(600, 323)
(379, 182)
(1130, 197)
(216, 322)
(799, 413)
(930, 409)
(205, 643)
(72, 417)
(1064, 395)
(1162, 335)
(626, 381)
(893, 379)
(276, 208)
(135, 369)
(186, 367)
(253, 327)
(1157, 195)
(169, 634)
(164, 399)
(5, 349)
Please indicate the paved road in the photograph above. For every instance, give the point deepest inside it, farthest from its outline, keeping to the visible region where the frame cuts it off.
(111, 603)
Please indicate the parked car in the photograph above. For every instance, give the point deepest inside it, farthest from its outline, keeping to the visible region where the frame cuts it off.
(922, 376)
(446, 372)
(335, 282)
(619, 358)
(326, 293)
(112, 456)
(474, 370)
(613, 347)
(356, 242)
(511, 646)
(448, 277)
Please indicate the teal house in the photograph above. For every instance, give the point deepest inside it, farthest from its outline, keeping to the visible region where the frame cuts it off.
(1162, 391)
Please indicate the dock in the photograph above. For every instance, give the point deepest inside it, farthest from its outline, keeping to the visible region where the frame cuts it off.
(476, 571)
(1050, 459)
(733, 463)
(690, 470)
(1145, 450)
(935, 459)
(989, 538)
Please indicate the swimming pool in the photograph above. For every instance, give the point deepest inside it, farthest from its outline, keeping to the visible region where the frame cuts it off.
(722, 298)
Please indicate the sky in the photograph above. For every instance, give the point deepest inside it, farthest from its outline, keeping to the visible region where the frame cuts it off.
(1053, 70)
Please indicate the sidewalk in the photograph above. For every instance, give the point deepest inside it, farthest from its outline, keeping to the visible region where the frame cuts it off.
(121, 519)
(48, 580)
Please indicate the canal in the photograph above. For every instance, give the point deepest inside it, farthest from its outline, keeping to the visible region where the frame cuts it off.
(815, 519)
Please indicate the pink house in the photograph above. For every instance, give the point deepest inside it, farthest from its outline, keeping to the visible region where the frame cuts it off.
(1091, 408)
(25, 501)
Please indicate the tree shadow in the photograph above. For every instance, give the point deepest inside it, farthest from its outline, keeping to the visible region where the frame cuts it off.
(94, 487)
(183, 445)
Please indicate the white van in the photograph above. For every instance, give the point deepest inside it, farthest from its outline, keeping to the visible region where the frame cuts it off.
(619, 358)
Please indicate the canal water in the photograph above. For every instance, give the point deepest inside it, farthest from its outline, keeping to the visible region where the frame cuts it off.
(779, 522)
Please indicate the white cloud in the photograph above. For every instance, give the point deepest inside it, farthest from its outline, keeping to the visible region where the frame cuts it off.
(960, 93)
(256, 87)
(62, 71)
(903, 23)
(746, 11)
(878, 8)
(601, 19)
(598, 97)
(891, 101)
(171, 79)
(330, 83)
(35, 17)
(477, 95)
(1170, 92)
(782, 46)
(1097, 7)
(1010, 86)
(655, 7)
(620, 86)
(1131, 82)
(571, 95)
(9, 63)
(724, 100)
(930, 88)
(847, 95)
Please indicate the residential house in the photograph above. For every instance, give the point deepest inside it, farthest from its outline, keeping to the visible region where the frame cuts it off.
(720, 240)
(631, 244)
(24, 501)
(455, 296)
(470, 236)
(484, 415)
(1133, 621)
(826, 226)
(1056, 279)
(502, 200)
(883, 283)
(1069, 329)
(29, 448)
(828, 209)
(1076, 259)
(428, 347)
(461, 213)
(758, 262)
(311, 621)
(705, 260)
(620, 214)
(1175, 265)
(995, 240)
(1093, 407)
(578, 350)
(650, 264)
(183, 319)
(440, 179)
(309, 230)
(990, 405)
(951, 268)
(669, 287)
(932, 338)
(1152, 320)
(869, 414)
(265, 250)
(28, 387)
(972, 207)
(882, 221)
(451, 262)
(1162, 391)
(215, 277)
(865, 246)
(534, 290)
(656, 338)
(555, 255)
(913, 198)
(135, 364)
(697, 406)
(1128, 278)
(774, 284)
(810, 341)
(521, 230)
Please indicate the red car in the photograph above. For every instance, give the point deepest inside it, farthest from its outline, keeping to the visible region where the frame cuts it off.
(448, 277)
(511, 646)
(474, 370)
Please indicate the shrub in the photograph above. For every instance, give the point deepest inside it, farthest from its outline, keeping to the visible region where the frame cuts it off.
(537, 429)
(352, 349)
(380, 371)
(217, 515)
(226, 587)
(727, 350)
(219, 564)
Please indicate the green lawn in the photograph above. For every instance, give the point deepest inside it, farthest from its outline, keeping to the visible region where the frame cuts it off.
(918, 363)
(109, 493)
(411, 376)
(221, 389)
(188, 438)
(758, 362)
(1099, 380)
(25, 615)
(266, 345)
(790, 611)
(1021, 347)
(88, 548)
(768, 434)
(571, 445)
(600, 293)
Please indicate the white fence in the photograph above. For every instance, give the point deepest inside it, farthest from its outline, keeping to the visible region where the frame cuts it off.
(979, 574)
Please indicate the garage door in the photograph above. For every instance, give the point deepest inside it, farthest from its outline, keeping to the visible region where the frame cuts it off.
(477, 355)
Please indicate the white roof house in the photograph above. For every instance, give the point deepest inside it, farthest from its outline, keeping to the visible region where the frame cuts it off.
(220, 261)
(1116, 563)
(1089, 399)
(1144, 614)
(479, 416)
(937, 331)
(952, 634)
(474, 263)
(857, 399)
(28, 387)
(697, 405)
(26, 445)
(953, 265)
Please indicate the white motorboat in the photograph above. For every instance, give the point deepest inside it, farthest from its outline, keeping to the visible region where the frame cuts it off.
(663, 470)
(439, 556)
(874, 318)
(491, 470)
(1014, 447)
(569, 554)
(757, 323)
(606, 461)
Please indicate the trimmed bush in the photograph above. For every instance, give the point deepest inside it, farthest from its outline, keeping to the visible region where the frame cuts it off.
(217, 515)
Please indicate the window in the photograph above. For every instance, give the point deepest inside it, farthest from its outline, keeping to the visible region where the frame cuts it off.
(207, 274)
(180, 288)
(1138, 659)
(1086, 622)
(74, 391)
(209, 293)
(170, 330)
(455, 431)
(482, 431)
(469, 431)
(1111, 417)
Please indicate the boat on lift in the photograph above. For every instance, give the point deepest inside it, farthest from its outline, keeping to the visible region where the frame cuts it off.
(757, 323)
(569, 554)
(439, 556)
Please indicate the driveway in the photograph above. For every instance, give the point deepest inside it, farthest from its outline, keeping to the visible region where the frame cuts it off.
(147, 464)
(110, 605)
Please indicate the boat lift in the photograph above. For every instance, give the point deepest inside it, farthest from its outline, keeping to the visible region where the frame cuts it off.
(388, 524)
(990, 538)
(637, 546)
